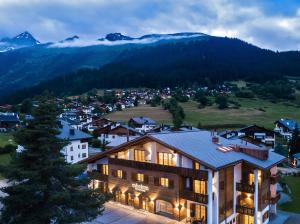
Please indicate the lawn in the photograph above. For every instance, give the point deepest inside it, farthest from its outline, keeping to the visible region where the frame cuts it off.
(5, 139)
(252, 111)
(156, 113)
(293, 183)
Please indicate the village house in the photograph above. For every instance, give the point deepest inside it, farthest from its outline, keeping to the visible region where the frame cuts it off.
(78, 146)
(285, 127)
(191, 176)
(9, 121)
(118, 134)
(254, 134)
(142, 124)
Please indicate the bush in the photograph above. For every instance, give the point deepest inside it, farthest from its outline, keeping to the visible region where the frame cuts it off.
(244, 94)
(222, 102)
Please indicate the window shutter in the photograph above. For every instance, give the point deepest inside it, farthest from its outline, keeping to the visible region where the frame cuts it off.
(146, 179)
(171, 184)
(124, 175)
(99, 168)
(193, 209)
(133, 176)
(114, 173)
(156, 181)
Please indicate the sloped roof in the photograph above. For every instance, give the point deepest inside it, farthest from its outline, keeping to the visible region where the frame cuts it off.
(198, 145)
(143, 120)
(9, 118)
(289, 123)
(66, 134)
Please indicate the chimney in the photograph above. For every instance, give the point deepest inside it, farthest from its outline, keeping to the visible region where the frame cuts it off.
(215, 139)
(72, 131)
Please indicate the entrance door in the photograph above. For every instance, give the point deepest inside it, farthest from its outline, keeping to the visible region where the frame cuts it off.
(164, 207)
(118, 196)
(130, 199)
(145, 204)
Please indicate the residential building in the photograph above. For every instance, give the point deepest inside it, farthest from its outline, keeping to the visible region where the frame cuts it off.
(118, 134)
(142, 124)
(191, 176)
(285, 127)
(78, 146)
(9, 121)
(252, 133)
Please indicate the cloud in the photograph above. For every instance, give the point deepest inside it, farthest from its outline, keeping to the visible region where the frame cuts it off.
(268, 24)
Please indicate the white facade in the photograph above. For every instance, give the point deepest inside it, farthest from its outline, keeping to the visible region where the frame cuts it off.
(75, 151)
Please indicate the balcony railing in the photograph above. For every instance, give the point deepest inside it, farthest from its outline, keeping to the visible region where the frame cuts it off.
(192, 196)
(245, 210)
(96, 175)
(245, 187)
(186, 172)
(274, 179)
(275, 199)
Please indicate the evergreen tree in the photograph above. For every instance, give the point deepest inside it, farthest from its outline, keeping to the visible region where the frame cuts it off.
(43, 188)
(26, 106)
(294, 144)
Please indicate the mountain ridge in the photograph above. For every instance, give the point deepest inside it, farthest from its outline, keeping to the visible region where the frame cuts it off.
(192, 55)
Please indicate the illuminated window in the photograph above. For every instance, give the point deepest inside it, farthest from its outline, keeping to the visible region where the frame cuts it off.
(140, 177)
(164, 182)
(105, 169)
(165, 159)
(199, 187)
(251, 178)
(139, 155)
(120, 173)
(200, 212)
(122, 155)
(197, 166)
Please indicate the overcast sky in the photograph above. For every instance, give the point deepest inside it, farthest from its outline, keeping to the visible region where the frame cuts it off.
(273, 24)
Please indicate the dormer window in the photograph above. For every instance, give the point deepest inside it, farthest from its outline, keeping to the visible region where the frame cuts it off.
(139, 155)
(165, 159)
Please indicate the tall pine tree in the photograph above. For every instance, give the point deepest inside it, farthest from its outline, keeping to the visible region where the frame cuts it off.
(43, 188)
(294, 144)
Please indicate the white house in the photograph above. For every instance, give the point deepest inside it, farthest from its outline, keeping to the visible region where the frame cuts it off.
(78, 146)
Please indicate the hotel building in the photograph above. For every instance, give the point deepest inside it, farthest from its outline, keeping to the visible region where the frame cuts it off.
(191, 175)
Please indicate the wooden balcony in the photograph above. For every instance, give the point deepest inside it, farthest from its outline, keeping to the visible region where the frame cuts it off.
(274, 179)
(192, 196)
(96, 175)
(245, 210)
(185, 172)
(275, 199)
(245, 187)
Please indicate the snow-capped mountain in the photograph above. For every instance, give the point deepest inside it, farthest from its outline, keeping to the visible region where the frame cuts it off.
(22, 40)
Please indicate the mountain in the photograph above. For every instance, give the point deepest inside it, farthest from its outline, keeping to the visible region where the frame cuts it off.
(117, 36)
(151, 60)
(70, 39)
(22, 40)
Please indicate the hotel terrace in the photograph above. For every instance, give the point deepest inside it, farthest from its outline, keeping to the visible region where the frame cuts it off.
(191, 175)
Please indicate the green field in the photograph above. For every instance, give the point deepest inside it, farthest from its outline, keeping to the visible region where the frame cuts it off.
(5, 139)
(251, 111)
(293, 183)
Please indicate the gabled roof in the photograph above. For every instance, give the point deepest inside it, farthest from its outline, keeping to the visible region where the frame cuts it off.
(9, 118)
(128, 128)
(288, 123)
(254, 126)
(143, 120)
(198, 146)
(67, 135)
